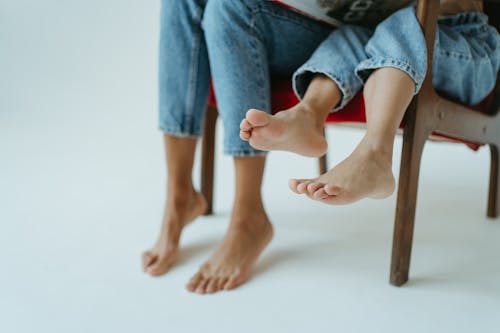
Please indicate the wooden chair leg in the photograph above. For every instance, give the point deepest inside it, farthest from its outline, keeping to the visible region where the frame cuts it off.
(323, 161)
(323, 166)
(493, 197)
(207, 157)
(414, 137)
(405, 211)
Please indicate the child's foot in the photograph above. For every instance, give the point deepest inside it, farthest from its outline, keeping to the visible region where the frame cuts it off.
(179, 211)
(231, 264)
(298, 130)
(366, 173)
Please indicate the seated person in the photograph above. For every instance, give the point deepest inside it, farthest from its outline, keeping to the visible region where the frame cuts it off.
(389, 63)
(236, 46)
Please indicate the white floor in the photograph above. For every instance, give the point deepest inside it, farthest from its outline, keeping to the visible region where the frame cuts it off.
(82, 186)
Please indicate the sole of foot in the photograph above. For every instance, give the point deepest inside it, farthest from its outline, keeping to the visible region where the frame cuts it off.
(295, 130)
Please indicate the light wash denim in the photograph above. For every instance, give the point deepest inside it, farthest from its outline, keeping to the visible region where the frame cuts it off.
(465, 61)
(239, 44)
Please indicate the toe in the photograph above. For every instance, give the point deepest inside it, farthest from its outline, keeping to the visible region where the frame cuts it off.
(313, 187)
(245, 135)
(257, 118)
(222, 282)
(332, 190)
(237, 278)
(202, 286)
(161, 266)
(148, 258)
(194, 282)
(231, 283)
(320, 194)
(213, 286)
(302, 187)
(293, 183)
(245, 125)
(332, 196)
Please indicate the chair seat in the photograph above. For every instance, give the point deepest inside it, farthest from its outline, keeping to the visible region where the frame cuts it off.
(353, 113)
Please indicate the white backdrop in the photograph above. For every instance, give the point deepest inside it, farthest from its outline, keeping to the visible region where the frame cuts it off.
(82, 186)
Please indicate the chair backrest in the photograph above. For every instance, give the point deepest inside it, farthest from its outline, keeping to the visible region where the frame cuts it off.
(492, 9)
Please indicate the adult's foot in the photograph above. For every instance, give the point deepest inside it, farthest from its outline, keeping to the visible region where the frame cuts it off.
(231, 264)
(179, 211)
(298, 130)
(366, 173)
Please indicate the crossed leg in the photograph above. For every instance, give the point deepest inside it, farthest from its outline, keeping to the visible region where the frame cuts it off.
(367, 171)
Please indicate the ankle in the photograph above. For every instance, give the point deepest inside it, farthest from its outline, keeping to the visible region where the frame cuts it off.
(249, 212)
(323, 93)
(248, 206)
(254, 223)
(314, 113)
(382, 159)
(180, 198)
(381, 144)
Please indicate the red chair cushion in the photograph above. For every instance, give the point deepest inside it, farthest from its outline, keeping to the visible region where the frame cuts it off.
(284, 98)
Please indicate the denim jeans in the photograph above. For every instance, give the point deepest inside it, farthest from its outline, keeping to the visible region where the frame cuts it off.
(465, 61)
(237, 44)
(240, 44)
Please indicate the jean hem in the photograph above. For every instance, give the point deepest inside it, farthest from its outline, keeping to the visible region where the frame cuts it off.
(179, 132)
(244, 152)
(300, 87)
(364, 69)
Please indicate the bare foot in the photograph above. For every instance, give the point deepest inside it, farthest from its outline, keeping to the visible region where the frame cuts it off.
(231, 263)
(298, 130)
(178, 213)
(366, 173)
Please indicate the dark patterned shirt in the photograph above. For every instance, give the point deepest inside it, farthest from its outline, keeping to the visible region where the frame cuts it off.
(361, 12)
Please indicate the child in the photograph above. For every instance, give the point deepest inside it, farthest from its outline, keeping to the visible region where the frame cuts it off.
(389, 63)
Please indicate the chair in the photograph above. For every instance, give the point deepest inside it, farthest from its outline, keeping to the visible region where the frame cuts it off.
(428, 114)
(431, 113)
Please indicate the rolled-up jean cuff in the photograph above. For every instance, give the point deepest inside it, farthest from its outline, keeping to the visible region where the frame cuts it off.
(303, 77)
(366, 67)
(244, 152)
(177, 132)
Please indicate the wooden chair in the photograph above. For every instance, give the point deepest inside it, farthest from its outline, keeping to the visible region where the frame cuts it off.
(431, 113)
(428, 113)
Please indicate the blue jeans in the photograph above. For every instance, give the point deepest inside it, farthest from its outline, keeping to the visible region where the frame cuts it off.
(465, 61)
(239, 45)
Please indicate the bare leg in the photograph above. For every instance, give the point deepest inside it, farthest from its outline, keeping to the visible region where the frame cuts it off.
(298, 129)
(367, 172)
(183, 205)
(248, 234)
